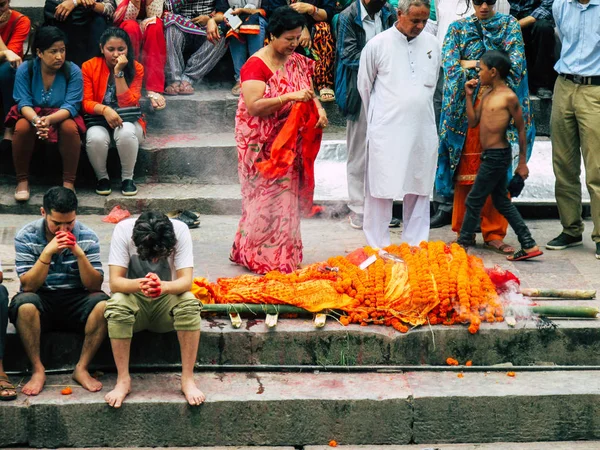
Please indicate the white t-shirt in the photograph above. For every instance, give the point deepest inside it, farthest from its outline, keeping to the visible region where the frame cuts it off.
(123, 252)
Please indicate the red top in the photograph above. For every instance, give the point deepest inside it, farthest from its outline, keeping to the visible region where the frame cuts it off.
(255, 69)
(15, 31)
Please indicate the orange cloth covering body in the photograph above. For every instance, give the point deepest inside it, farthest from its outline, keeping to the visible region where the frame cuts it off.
(95, 80)
(300, 123)
(493, 224)
(433, 283)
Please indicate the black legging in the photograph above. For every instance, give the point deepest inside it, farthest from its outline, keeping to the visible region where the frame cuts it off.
(3, 318)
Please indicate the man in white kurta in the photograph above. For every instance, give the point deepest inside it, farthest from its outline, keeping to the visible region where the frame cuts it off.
(396, 80)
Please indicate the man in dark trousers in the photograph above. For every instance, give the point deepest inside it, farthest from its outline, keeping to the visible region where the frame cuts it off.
(537, 26)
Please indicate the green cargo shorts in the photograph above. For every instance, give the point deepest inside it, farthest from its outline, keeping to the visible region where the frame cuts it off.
(129, 313)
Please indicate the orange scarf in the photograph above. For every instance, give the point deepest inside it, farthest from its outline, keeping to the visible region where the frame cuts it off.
(300, 123)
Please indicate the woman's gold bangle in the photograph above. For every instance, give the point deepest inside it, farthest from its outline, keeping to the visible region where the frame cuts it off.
(280, 101)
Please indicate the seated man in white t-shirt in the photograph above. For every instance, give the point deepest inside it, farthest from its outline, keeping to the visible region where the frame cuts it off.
(150, 265)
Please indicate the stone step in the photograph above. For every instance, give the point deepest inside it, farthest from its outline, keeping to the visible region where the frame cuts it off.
(292, 409)
(299, 343)
(199, 173)
(560, 445)
(184, 157)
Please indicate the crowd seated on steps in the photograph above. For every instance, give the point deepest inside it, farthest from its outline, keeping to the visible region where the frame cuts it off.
(176, 43)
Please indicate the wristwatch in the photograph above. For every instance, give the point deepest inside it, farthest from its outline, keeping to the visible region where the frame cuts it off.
(121, 74)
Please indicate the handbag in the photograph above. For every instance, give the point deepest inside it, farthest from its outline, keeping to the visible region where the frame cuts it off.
(80, 16)
(127, 114)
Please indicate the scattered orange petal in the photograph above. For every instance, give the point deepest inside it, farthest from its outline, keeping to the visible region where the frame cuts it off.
(460, 375)
(451, 362)
(333, 443)
(469, 363)
(511, 374)
(67, 391)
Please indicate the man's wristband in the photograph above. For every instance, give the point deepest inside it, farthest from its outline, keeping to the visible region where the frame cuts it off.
(43, 262)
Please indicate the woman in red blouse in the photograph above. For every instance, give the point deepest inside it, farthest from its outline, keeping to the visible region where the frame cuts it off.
(273, 80)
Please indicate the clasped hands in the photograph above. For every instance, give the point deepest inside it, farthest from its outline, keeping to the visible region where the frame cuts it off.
(42, 124)
(65, 8)
(151, 285)
(64, 240)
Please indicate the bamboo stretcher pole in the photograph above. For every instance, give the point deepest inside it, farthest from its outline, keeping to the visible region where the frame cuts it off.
(567, 294)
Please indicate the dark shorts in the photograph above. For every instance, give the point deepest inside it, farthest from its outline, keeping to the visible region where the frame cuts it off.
(61, 310)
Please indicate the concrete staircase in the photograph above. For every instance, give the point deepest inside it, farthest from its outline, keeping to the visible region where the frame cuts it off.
(296, 385)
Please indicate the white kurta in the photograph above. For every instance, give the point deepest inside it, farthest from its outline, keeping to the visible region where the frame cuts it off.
(396, 81)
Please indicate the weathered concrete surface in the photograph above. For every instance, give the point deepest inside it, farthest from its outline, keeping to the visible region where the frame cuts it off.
(13, 422)
(297, 342)
(241, 409)
(276, 409)
(571, 445)
(199, 172)
(574, 342)
(488, 407)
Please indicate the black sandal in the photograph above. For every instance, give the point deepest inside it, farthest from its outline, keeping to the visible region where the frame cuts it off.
(192, 220)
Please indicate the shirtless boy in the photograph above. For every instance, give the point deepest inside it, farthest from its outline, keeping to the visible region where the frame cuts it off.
(499, 104)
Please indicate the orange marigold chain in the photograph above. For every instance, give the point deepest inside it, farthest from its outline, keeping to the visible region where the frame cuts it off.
(436, 283)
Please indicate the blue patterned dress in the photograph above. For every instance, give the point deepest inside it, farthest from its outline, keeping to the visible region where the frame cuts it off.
(465, 41)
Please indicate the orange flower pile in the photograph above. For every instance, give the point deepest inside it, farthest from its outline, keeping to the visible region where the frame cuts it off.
(402, 286)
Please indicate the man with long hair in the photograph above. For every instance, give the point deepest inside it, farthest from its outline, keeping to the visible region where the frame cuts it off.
(151, 264)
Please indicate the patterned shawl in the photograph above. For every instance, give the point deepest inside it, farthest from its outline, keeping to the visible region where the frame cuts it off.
(464, 41)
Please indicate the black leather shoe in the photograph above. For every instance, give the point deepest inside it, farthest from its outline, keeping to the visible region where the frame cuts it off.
(441, 219)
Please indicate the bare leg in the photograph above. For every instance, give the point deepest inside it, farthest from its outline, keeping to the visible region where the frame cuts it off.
(188, 342)
(29, 327)
(95, 332)
(121, 349)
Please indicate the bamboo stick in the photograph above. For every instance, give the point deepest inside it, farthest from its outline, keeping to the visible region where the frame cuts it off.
(571, 294)
(566, 311)
(252, 308)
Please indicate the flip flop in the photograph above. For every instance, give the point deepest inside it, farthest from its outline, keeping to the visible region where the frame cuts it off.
(7, 386)
(501, 249)
(522, 255)
(192, 220)
(186, 88)
(173, 88)
(154, 100)
(329, 92)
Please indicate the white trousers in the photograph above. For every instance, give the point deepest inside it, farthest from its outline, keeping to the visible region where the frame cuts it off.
(378, 214)
(356, 139)
(127, 140)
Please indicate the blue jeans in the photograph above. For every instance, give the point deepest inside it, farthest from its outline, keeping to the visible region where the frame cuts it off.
(241, 51)
(492, 180)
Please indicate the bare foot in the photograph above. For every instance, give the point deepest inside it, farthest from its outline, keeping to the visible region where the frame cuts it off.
(83, 377)
(35, 385)
(115, 397)
(193, 395)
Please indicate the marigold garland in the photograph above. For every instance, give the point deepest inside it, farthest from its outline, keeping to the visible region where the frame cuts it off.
(405, 286)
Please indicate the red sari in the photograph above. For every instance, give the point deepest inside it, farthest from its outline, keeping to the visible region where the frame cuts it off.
(268, 236)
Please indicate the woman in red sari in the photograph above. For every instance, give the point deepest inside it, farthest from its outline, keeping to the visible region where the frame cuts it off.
(273, 81)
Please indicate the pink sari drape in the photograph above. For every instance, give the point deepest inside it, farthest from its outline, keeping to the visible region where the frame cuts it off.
(268, 236)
